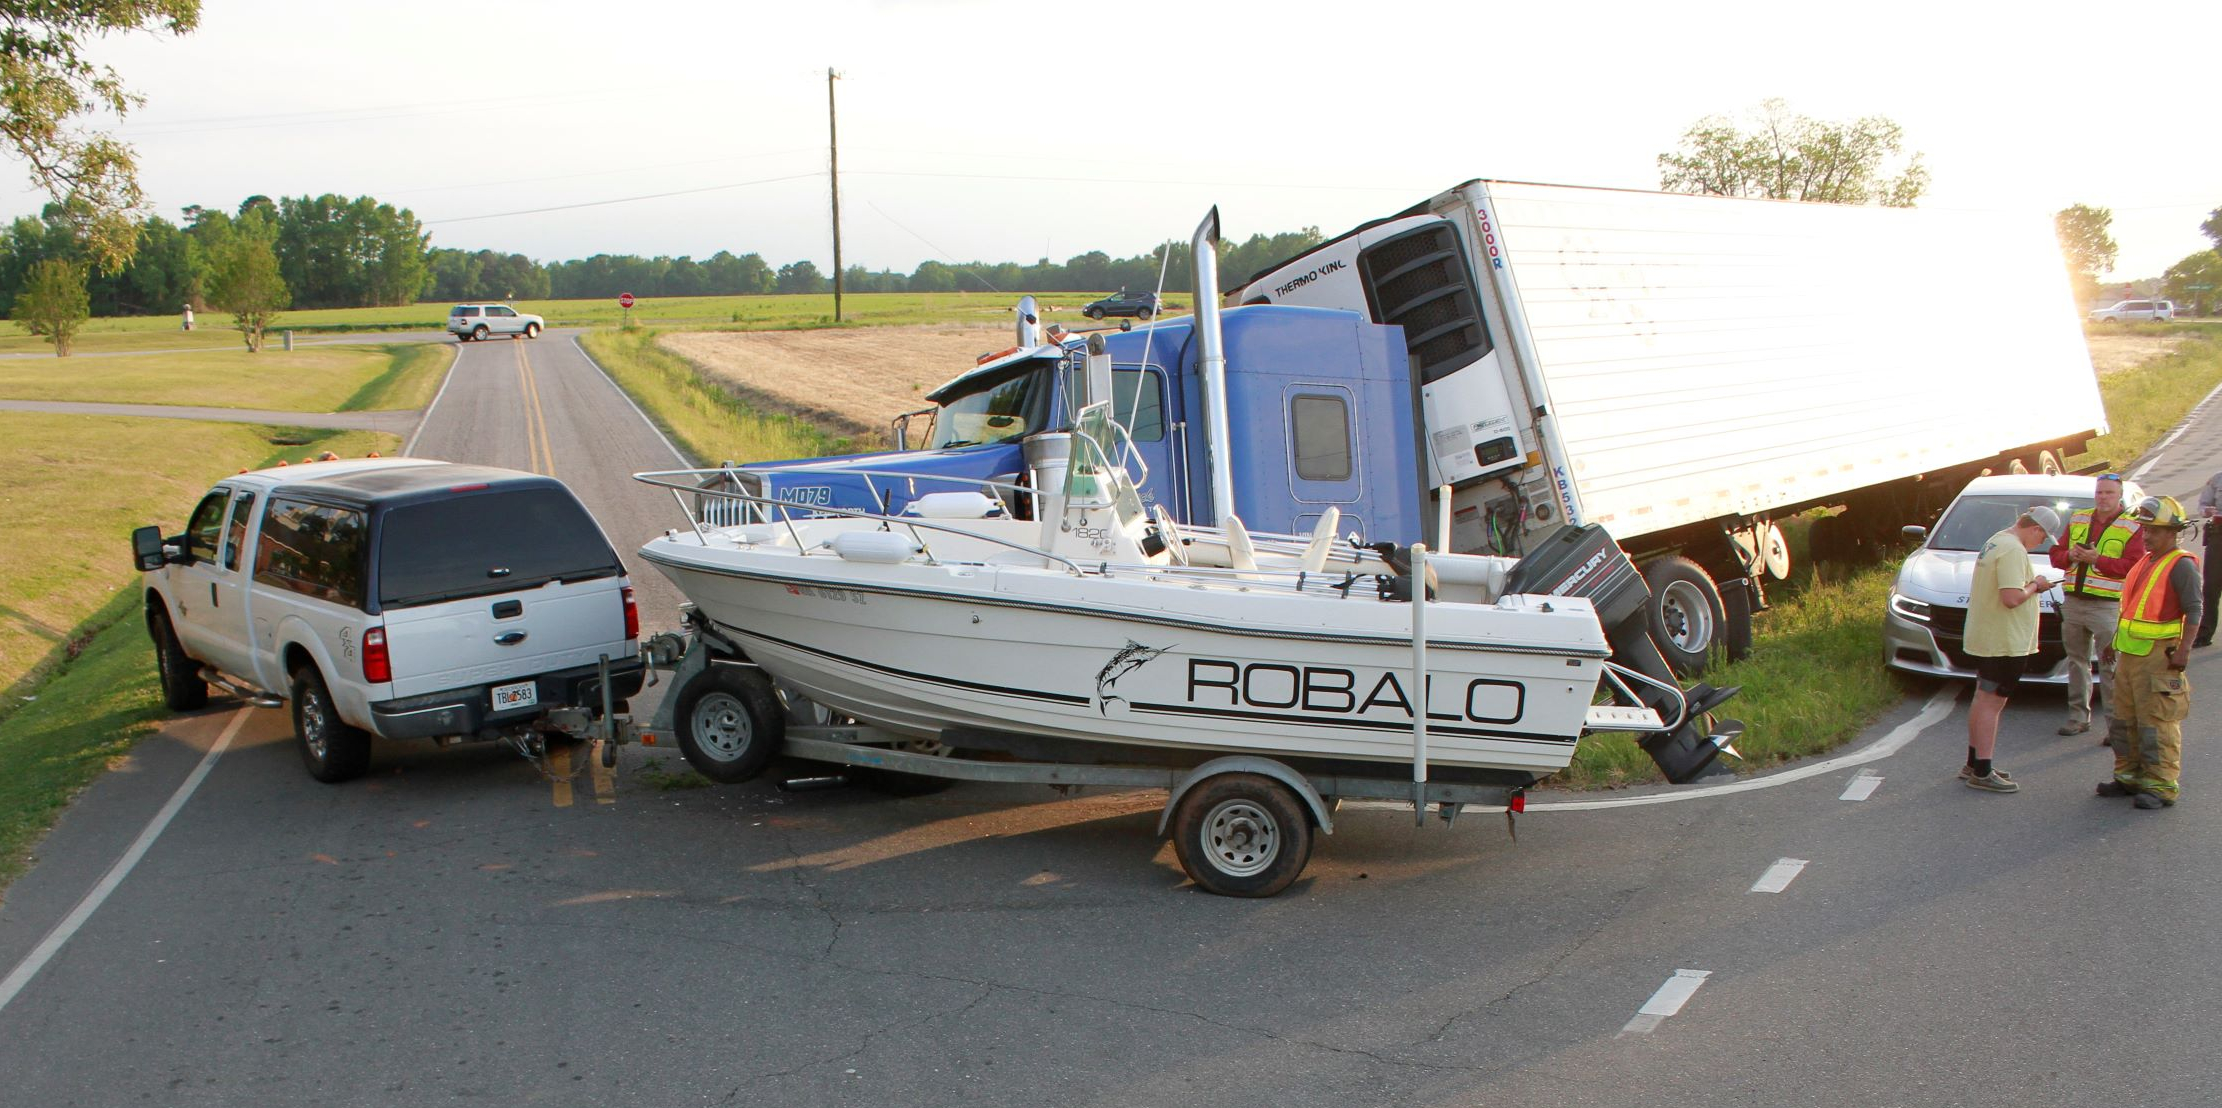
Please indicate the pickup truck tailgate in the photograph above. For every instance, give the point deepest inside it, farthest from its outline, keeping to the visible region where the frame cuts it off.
(507, 636)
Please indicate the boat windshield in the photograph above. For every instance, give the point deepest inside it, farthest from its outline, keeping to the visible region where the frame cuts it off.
(1093, 474)
(1972, 520)
(999, 407)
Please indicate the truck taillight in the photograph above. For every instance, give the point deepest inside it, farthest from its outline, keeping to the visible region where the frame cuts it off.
(632, 615)
(377, 664)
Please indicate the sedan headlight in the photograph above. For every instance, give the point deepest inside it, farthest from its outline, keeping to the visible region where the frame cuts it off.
(1909, 607)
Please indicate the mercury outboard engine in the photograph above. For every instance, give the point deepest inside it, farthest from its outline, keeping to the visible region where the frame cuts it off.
(1586, 562)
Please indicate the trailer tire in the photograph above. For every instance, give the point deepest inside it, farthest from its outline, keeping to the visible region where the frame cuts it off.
(1242, 834)
(2048, 463)
(729, 723)
(1685, 612)
(1774, 551)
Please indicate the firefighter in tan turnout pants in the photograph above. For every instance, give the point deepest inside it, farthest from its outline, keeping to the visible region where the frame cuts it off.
(2160, 608)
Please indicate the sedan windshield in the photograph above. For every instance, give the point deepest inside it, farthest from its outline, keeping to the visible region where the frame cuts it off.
(997, 408)
(1972, 520)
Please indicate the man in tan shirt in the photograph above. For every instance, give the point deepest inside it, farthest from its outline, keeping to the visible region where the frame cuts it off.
(2001, 635)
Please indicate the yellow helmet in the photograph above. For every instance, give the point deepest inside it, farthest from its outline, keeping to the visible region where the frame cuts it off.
(2160, 511)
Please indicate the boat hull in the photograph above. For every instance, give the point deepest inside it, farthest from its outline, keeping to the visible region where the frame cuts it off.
(1130, 660)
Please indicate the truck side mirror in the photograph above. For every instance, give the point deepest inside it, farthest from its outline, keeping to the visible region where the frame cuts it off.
(146, 548)
(1914, 532)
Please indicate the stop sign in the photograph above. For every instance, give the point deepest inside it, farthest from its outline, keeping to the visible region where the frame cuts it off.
(624, 300)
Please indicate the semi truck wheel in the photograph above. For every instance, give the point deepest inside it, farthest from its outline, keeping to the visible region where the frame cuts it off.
(1685, 612)
(1774, 551)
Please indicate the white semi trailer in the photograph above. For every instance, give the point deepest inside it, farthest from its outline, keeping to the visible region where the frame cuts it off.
(1687, 370)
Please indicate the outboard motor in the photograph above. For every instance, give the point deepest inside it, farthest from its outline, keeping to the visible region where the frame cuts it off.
(1586, 562)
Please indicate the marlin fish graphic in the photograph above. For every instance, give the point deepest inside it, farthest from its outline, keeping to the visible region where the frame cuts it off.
(1129, 658)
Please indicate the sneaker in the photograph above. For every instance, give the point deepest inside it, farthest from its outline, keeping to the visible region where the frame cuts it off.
(1967, 773)
(2075, 727)
(1995, 783)
(2149, 802)
(2116, 788)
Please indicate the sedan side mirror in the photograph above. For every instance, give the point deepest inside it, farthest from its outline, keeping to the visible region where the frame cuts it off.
(1914, 532)
(146, 548)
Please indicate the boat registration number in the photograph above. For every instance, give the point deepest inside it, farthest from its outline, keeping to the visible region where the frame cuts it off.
(523, 694)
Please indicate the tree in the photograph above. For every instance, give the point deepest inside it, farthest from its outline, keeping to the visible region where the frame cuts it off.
(2084, 238)
(2212, 228)
(45, 83)
(243, 280)
(340, 253)
(53, 303)
(1786, 156)
(2195, 283)
(802, 276)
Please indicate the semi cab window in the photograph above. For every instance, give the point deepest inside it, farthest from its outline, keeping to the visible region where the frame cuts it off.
(313, 550)
(1003, 408)
(1146, 422)
(1320, 435)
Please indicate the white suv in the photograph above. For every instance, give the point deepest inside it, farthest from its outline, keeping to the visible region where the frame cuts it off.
(2129, 311)
(480, 321)
(393, 597)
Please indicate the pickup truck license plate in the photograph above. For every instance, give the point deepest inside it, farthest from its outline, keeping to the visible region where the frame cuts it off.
(523, 694)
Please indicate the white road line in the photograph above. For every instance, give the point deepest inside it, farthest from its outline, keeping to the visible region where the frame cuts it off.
(1667, 1001)
(411, 449)
(1779, 876)
(49, 946)
(683, 460)
(1862, 787)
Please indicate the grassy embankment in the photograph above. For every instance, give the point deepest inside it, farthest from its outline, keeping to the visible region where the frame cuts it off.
(705, 421)
(74, 660)
(1816, 677)
(694, 313)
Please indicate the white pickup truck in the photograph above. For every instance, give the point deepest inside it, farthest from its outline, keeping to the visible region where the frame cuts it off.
(402, 598)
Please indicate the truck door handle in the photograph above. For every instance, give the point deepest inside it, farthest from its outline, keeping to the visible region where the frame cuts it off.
(212, 595)
(510, 638)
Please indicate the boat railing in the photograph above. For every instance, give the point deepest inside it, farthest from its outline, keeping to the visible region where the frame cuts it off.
(779, 510)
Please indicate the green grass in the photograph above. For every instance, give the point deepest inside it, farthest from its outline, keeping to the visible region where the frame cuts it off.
(1815, 678)
(74, 658)
(309, 379)
(408, 384)
(705, 421)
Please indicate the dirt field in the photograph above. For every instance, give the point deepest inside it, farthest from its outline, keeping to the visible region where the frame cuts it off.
(852, 382)
(849, 382)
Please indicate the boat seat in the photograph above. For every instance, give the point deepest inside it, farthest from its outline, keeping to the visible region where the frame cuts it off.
(954, 505)
(1323, 541)
(1241, 553)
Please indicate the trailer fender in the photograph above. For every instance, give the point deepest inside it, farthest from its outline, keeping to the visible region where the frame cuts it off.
(1249, 763)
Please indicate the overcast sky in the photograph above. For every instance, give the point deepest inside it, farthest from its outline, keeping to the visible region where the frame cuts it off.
(977, 129)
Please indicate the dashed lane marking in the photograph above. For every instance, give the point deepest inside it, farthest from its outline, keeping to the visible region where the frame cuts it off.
(52, 944)
(1779, 875)
(1862, 787)
(1667, 1001)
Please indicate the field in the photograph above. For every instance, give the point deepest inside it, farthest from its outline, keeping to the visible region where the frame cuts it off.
(308, 379)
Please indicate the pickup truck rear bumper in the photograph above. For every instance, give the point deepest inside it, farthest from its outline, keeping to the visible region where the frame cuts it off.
(468, 710)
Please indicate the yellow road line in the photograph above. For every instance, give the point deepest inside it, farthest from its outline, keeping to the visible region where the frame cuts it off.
(537, 442)
(559, 767)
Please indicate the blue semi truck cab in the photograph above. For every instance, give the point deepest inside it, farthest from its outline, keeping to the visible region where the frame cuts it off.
(1326, 421)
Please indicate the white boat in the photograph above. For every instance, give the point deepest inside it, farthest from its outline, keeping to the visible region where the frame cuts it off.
(1098, 633)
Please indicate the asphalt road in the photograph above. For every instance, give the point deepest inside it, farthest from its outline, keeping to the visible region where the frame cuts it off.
(456, 926)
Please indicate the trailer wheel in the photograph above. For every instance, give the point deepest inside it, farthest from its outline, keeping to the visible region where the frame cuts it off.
(2048, 463)
(1685, 612)
(1774, 551)
(1242, 834)
(2016, 465)
(730, 723)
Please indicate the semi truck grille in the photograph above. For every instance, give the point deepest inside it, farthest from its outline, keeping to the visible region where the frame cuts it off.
(1417, 281)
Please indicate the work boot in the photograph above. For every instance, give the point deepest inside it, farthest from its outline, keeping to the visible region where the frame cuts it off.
(2149, 802)
(2115, 788)
(2075, 727)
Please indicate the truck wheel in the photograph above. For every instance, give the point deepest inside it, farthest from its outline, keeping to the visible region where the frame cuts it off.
(1242, 834)
(182, 687)
(2048, 463)
(1685, 612)
(1774, 551)
(332, 750)
(730, 723)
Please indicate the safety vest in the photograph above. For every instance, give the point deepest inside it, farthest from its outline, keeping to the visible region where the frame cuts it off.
(2091, 580)
(2151, 613)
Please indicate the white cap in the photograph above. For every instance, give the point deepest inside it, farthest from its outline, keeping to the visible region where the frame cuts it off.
(2045, 517)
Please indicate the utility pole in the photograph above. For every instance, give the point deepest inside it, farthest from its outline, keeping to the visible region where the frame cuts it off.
(833, 144)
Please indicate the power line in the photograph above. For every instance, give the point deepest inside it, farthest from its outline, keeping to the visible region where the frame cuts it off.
(622, 199)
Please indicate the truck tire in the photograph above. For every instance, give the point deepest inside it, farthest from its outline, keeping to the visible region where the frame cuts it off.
(1685, 612)
(332, 750)
(1242, 834)
(730, 723)
(182, 687)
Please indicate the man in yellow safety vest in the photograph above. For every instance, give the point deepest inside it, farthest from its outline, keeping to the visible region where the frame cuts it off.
(2151, 695)
(2100, 545)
